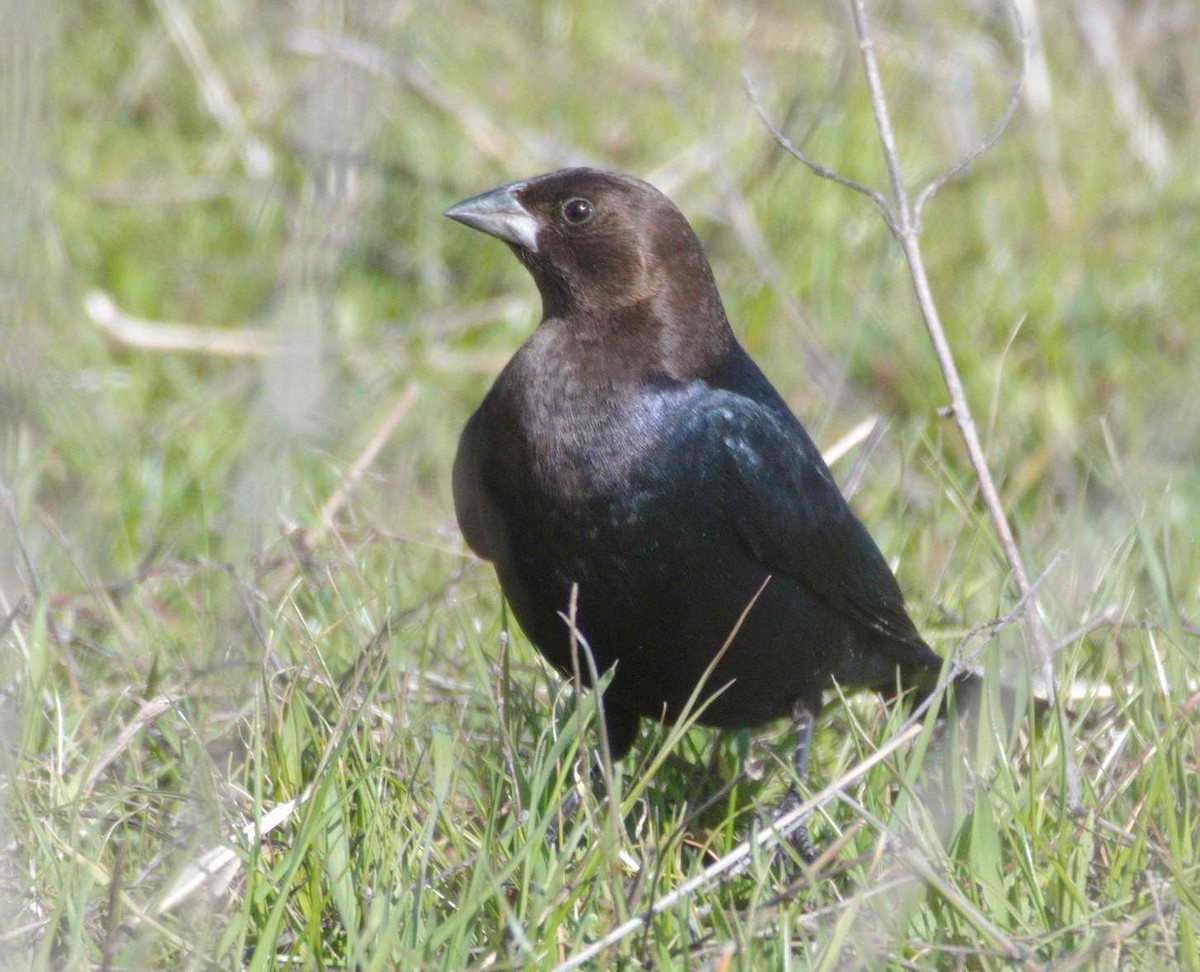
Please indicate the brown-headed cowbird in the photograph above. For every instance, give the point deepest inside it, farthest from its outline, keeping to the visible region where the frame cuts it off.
(632, 448)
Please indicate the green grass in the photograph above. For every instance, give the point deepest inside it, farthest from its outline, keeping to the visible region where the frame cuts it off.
(183, 664)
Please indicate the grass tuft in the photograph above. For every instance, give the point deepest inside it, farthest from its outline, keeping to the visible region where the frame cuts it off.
(260, 709)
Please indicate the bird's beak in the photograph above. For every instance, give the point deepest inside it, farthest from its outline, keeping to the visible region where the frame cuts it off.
(498, 213)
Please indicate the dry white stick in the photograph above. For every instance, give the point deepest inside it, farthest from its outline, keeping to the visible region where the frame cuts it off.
(215, 868)
(136, 332)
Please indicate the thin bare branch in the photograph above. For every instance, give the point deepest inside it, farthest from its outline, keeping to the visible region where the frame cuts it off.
(883, 120)
(1010, 109)
(909, 237)
(825, 173)
(901, 218)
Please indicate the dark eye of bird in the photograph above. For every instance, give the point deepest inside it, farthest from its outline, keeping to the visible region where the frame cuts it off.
(577, 211)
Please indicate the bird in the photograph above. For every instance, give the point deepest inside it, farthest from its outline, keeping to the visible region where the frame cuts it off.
(642, 488)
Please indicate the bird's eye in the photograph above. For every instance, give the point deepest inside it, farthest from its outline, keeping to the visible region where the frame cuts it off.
(577, 211)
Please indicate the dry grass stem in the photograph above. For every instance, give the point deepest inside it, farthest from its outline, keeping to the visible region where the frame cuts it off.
(135, 332)
(337, 499)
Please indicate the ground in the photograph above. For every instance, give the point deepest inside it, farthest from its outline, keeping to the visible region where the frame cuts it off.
(259, 705)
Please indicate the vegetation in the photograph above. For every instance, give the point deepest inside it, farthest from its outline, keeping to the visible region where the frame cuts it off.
(240, 635)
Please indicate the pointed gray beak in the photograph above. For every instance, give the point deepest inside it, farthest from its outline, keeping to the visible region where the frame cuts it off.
(498, 213)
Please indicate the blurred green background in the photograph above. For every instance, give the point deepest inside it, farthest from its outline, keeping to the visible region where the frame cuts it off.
(224, 275)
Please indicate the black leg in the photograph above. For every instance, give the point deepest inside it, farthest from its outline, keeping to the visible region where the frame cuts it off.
(803, 715)
(565, 810)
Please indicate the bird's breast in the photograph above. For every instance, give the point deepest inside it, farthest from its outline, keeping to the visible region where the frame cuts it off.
(584, 448)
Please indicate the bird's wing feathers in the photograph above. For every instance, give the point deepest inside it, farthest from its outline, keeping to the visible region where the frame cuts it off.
(792, 517)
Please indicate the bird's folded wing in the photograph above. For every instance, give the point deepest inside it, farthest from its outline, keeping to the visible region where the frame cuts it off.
(794, 520)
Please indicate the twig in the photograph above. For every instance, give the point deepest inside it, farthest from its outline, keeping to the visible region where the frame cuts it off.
(909, 237)
(147, 713)
(825, 173)
(902, 218)
(866, 47)
(136, 332)
(1105, 619)
(993, 136)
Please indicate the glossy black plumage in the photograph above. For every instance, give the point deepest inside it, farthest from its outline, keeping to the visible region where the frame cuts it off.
(631, 447)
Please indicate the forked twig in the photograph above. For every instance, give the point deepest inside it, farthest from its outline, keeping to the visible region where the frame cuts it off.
(824, 172)
(902, 218)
